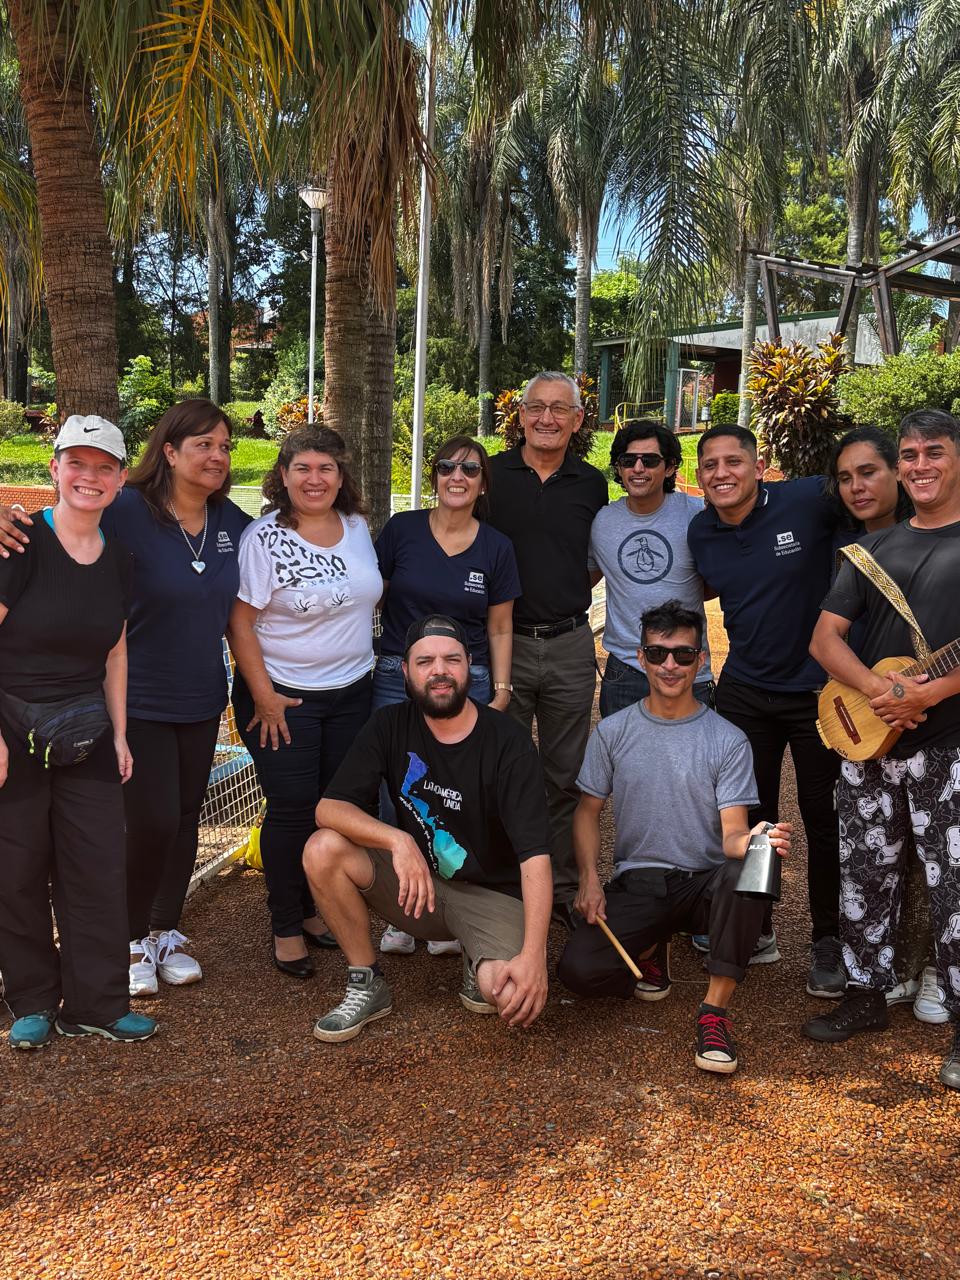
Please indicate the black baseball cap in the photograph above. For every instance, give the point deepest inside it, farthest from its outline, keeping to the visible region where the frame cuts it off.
(434, 624)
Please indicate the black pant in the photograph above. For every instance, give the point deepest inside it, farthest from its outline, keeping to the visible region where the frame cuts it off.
(63, 827)
(772, 722)
(293, 778)
(163, 800)
(645, 907)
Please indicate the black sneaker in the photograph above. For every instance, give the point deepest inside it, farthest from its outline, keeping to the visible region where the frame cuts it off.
(654, 984)
(859, 1010)
(715, 1048)
(827, 978)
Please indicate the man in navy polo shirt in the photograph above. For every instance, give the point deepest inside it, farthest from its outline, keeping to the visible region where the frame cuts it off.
(767, 550)
(544, 499)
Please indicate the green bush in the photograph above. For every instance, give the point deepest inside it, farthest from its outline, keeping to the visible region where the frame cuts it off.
(446, 413)
(288, 385)
(884, 394)
(144, 397)
(796, 409)
(724, 409)
(12, 421)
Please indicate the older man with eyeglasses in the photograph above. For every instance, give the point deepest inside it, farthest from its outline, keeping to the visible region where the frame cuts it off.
(544, 498)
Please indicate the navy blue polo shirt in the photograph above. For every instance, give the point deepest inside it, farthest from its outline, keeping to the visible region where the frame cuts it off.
(771, 573)
(177, 617)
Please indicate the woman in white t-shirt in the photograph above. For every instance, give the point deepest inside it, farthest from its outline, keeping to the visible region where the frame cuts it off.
(301, 632)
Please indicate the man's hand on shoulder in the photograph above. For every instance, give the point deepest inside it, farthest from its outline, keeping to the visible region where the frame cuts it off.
(416, 883)
(528, 973)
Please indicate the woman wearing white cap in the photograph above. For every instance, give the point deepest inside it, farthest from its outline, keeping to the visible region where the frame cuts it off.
(64, 755)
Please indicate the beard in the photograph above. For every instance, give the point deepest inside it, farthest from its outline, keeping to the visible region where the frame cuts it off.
(443, 706)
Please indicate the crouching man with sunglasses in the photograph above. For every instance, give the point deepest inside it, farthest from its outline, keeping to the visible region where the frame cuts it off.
(681, 778)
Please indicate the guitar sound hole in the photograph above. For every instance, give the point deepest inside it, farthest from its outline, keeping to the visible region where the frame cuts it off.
(849, 728)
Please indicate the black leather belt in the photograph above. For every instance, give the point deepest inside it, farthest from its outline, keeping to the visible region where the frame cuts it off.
(547, 630)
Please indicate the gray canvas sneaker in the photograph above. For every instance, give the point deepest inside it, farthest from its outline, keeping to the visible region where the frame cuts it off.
(471, 997)
(950, 1071)
(367, 998)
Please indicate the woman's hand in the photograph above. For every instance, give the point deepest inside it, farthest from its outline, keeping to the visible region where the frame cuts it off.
(500, 700)
(12, 536)
(124, 758)
(270, 714)
(4, 761)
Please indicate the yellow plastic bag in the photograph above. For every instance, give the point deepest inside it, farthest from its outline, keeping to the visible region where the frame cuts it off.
(250, 854)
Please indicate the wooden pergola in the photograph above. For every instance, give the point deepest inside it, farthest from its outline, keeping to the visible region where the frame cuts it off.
(880, 280)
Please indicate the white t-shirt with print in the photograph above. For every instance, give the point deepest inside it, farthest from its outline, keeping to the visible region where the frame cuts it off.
(316, 603)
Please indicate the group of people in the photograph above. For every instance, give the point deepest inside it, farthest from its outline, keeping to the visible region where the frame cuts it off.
(402, 777)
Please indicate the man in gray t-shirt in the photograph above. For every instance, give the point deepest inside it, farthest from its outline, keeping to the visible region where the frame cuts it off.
(639, 545)
(681, 778)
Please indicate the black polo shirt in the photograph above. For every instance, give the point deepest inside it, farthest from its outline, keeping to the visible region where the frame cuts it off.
(549, 524)
(771, 572)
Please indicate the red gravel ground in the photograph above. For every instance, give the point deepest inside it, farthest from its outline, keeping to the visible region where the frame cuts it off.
(442, 1144)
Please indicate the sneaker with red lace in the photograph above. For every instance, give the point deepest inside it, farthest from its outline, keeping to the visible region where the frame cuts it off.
(654, 983)
(715, 1048)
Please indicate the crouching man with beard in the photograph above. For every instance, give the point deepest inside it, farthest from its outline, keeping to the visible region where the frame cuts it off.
(469, 858)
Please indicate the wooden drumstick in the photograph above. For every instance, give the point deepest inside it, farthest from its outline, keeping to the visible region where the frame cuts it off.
(616, 944)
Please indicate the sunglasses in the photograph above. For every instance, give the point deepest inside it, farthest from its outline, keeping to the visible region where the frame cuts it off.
(684, 655)
(650, 460)
(470, 467)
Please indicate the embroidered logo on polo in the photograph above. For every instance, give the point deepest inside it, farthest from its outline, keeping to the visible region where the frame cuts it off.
(645, 556)
(444, 854)
(787, 543)
(475, 583)
(224, 543)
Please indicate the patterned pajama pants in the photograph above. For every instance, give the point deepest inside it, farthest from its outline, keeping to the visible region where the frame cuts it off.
(878, 802)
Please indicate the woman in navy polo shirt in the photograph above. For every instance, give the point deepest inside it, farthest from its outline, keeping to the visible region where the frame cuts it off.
(184, 533)
(448, 560)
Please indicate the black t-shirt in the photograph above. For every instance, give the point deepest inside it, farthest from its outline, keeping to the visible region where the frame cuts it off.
(925, 564)
(476, 808)
(549, 524)
(64, 617)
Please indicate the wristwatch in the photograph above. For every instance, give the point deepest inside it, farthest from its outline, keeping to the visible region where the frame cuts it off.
(497, 687)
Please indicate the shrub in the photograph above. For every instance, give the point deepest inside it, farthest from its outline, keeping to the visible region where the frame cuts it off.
(288, 385)
(796, 407)
(898, 386)
(294, 414)
(12, 421)
(724, 409)
(44, 380)
(507, 413)
(446, 413)
(144, 397)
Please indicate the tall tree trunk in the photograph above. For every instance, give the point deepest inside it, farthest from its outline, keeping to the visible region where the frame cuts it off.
(951, 333)
(378, 412)
(858, 204)
(484, 389)
(213, 299)
(751, 279)
(77, 257)
(581, 340)
(344, 323)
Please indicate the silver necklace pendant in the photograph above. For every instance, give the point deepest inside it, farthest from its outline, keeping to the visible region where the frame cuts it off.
(197, 566)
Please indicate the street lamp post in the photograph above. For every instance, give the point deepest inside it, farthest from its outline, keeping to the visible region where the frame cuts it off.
(315, 198)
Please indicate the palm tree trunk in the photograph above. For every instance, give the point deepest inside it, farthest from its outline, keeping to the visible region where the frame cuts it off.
(484, 389)
(751, 279)
(951, 333)
(581, 340)
(77, 256)
(858, 187)
(344, 324)
(378, 412)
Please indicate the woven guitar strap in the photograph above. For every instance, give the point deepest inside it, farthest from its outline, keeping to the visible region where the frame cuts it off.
(861, 559)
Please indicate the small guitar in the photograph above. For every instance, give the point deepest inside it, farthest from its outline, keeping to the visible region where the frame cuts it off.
(848, 724)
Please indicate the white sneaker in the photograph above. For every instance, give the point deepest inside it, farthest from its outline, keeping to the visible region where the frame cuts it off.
(451, 948)
(903, 992)
(397, 943)
(930, 1004)
(173, 963)
(143, 970)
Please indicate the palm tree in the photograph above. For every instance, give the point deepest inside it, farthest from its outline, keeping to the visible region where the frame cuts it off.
(21, 271)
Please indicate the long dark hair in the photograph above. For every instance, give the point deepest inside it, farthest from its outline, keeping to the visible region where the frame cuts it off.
(463, 444)
(311, 439)
(886, 447)
(153, 475)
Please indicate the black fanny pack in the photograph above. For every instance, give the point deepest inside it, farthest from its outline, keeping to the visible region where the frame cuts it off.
(60, 733)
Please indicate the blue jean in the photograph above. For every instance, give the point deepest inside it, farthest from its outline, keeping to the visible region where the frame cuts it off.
(293, 778)
(623, 685)
(389, 688)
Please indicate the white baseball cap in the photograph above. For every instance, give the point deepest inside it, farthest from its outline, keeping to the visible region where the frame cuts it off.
(92, 432)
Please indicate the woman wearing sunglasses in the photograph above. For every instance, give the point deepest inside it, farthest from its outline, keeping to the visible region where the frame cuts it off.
(448, 560)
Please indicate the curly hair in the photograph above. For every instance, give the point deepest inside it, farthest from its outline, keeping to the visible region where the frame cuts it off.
(311, 439)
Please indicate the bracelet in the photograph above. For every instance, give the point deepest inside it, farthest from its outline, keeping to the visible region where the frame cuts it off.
(497, 687)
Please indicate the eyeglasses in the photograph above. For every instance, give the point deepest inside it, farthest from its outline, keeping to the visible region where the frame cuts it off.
(684, 655)
(558, 411)
(650, 460)
(470, 467)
